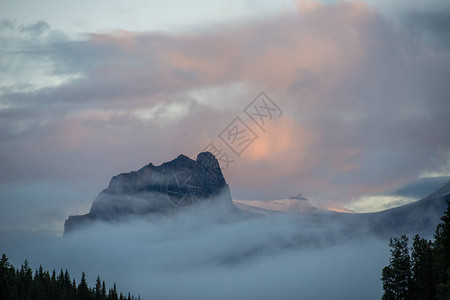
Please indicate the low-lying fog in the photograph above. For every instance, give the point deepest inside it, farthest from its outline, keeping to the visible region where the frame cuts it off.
(198, 255)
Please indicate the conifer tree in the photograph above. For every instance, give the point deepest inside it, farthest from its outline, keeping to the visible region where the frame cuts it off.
(7, 276)
(25, 283)
(103, 290)
(98, 289)
(83, 289)
(423, 285)
(396, 276)
(428, 274)
(112, 295)
(22, 284)
(442, 255)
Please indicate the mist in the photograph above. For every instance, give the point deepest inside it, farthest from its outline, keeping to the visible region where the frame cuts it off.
(208, 254)
(363, 87)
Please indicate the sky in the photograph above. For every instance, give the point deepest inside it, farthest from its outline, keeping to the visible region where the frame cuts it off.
(91, 90)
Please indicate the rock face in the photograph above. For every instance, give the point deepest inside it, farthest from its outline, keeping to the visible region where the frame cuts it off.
(176, 185)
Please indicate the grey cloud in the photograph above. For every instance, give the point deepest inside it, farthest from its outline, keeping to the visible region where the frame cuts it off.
(434, 24)
(194, 255)
(41, 206)
(36, 28)
(6, 24)
(377, 108)
(375, 99)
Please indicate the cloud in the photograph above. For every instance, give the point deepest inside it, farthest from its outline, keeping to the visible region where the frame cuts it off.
(6, 24)
(204, 255)
(41, 206)
(35, 28)
(364, 102)
(365, 109)
(367, 204)
(412, 191)
(27, 62)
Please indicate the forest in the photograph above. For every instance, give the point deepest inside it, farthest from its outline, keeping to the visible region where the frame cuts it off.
(420, 271)
(22, 284)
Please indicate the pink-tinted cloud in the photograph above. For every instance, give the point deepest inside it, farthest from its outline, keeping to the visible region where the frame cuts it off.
(365, 104)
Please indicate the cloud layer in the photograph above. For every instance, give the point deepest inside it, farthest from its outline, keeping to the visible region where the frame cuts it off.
(365, 101)
(195, 256)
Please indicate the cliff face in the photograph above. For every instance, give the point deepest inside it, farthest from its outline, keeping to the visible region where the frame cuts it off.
(176, 185)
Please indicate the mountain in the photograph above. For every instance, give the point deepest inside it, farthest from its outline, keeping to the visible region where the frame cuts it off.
(182, 183)
(291, 205)
(176, 185)
(421, 187)
(295, 204)
(421, 216)
(418, 217)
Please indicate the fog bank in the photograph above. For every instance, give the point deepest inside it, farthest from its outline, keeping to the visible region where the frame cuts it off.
(198, 255)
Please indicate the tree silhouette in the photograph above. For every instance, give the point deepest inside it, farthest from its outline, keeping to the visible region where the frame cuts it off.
(422, 271)
(20, 284)
(396, 276)
(442, 255)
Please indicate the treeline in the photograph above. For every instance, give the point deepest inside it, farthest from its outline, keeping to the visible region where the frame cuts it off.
(421, 271)
(21, 284)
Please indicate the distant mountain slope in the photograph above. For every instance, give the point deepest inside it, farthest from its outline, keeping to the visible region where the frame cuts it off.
(294, 204)
(421, 187)
(421, 216)
(417, 217)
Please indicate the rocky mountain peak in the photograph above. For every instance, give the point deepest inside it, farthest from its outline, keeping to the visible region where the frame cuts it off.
(299, 197)
(178, 184)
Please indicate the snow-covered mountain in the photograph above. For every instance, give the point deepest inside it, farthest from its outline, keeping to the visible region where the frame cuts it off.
(291, 205)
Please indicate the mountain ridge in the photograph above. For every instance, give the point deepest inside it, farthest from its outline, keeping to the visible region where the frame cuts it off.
(164, 189)
(181, 183)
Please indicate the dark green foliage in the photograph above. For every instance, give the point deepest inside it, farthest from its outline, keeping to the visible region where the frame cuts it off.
(104, 297)
(397, 275)
(443, 289)
(421, 272)
(83, 290)
(442, 249)
(21, 284)
(112, 295)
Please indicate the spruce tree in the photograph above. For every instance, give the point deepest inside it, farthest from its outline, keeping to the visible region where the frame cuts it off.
(25, 281)
(112, 295)
(103, 291)
(98, 289)
(442, 255)
(423, 285)
(396, 276)
(83, 289)
(22, 284)
(8, 288)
